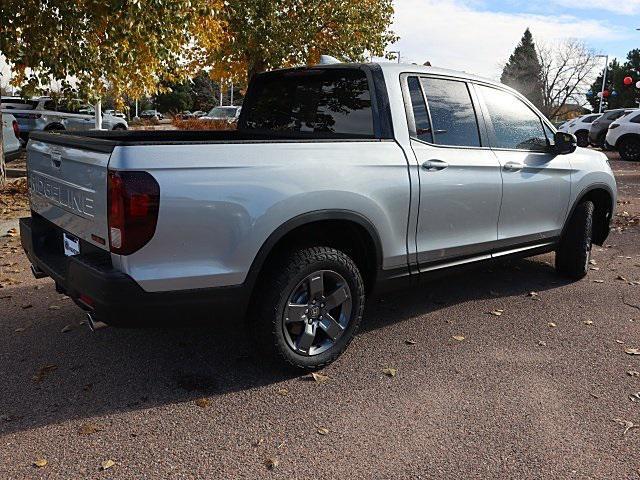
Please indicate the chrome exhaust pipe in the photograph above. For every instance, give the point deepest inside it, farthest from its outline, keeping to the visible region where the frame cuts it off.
(37, 273)
(94, 324)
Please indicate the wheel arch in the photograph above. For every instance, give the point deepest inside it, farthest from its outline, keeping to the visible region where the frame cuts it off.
(602, 197)
(54, 126)
(625, 137)
(343, 229)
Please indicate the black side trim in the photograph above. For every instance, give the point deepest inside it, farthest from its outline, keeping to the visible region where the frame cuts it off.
(381, 104)
(304, 219)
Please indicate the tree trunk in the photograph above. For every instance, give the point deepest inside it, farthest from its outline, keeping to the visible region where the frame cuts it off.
(3, 168)
(256, 65)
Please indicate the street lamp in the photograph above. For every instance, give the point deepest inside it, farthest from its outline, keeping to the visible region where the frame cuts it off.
(604, 79)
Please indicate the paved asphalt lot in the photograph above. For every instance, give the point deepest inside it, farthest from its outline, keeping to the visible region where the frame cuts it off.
(517, 398)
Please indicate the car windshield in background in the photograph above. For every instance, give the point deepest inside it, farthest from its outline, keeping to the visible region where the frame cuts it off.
(321, 103)
(222, 112)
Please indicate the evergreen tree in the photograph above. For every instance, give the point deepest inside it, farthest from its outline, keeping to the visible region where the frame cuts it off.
(523, 71)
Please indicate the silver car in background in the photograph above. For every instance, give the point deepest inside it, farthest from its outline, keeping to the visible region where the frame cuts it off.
(47, 114)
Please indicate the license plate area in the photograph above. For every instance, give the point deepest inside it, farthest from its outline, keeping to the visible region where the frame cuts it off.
(71, 244)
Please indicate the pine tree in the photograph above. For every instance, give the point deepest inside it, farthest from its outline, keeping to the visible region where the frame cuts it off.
(523, 70)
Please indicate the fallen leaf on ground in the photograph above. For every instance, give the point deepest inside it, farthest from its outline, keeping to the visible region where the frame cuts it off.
(532, 294)
(66, 328)
(633, 373)
(410, 342)
(593, 262)
(203, 402)
(588, 322)
(283, 391)
(89, 428)
(627, 424)
(598, 281)
(620, 277)
(319, 377)
(40, 463)
(54, 307)
(542, 343)
(323, 431)
(459, 338)
(620, 342)
(107, 464)
(595, 269)
(44, 371)
(28, 305)
(635, 397)
(390, 372)
(552, 325)
(497, 312)
(271, 463)
(19, 329)
(632, 351)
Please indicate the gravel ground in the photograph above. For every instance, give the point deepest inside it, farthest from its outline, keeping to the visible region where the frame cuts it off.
(531, 393)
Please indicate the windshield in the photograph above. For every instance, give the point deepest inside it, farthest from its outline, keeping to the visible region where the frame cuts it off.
(222, 112)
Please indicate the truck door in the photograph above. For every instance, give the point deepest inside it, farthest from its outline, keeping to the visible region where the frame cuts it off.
(460, 178)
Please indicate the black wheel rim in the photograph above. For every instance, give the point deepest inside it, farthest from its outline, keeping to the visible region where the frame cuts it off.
(317, 313)
(631, 150)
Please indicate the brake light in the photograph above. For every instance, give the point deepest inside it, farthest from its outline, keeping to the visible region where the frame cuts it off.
(16, 129)
(133, 203)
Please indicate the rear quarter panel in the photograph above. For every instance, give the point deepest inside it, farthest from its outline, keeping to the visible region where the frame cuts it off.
(220, 202)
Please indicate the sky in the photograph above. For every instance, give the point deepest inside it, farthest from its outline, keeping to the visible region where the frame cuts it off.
(477, 36)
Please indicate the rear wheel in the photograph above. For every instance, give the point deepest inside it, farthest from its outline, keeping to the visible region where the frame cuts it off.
(574, 252)
(119, 127)
(583, 138)
(629, 149)
(309, 307)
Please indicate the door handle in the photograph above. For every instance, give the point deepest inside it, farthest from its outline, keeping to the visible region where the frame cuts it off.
(513, 166)
(434, 165)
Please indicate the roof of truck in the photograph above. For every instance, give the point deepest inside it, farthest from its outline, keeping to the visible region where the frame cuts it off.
(399, 68)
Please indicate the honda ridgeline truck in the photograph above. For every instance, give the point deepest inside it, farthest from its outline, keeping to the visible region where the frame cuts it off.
(339, 180)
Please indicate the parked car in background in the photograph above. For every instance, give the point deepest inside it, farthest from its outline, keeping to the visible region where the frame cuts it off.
(47, 114)
(229, 113)
(10, 136)
(199, 113)
(599, 127)
(115, 113)
(339, 180)
(580, 128)
(151, 114)
(624, 135)
(184, 115)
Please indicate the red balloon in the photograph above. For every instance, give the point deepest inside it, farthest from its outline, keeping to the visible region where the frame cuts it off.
(606, 93)
(628, 81)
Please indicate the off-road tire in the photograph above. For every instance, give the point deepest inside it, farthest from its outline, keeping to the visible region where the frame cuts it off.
(574, 252)
(274, 289)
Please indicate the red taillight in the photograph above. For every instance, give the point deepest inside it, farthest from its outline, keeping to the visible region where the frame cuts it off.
(133, 201)
(16, 129)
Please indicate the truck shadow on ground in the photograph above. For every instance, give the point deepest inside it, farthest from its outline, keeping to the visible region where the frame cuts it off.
(47, 376)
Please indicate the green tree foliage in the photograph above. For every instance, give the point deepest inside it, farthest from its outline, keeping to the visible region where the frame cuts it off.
(627, 96)
(523, 71)
(177, 98)
(263, 34)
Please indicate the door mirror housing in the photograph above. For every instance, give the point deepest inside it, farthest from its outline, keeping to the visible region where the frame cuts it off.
(565, 143)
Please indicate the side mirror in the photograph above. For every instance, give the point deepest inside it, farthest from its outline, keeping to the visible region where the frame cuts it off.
(565, 143)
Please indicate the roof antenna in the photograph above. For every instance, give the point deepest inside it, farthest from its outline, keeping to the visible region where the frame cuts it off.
(328, 60)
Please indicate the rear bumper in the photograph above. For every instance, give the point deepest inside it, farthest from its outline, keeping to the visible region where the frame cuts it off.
(112, 296)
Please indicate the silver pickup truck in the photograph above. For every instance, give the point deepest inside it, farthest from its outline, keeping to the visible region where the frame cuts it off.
(339, 180)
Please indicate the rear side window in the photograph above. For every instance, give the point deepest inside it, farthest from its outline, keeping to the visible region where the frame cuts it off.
(635, 119)
(614, 115)
(590, 119)
(420, 114)
(316, 103)
(452, 113)
(516, 126)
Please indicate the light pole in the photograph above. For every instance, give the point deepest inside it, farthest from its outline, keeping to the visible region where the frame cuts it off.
(604, 79)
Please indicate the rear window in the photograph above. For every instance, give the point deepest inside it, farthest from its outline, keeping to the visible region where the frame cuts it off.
(316, 103)
(590, 119)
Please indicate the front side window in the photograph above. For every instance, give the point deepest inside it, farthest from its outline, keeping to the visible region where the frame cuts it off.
(590, 118)
(516, 126)
(420, 114)
(452, 113)
(314, 103)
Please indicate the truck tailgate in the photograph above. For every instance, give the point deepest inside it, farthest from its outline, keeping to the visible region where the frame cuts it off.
(68, 186)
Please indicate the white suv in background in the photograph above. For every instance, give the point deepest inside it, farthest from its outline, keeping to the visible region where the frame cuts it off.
(580, 127)
(624, 135)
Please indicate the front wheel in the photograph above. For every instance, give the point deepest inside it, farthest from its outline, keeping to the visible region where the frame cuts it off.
(308, 307)
(630, 149)
(583, 139)
(574, 252)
